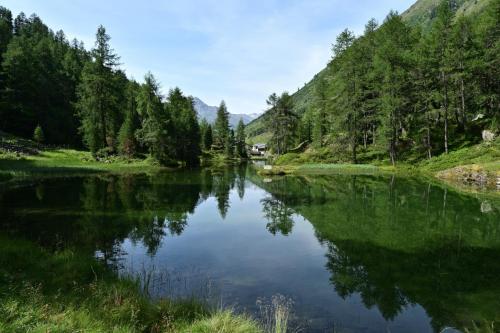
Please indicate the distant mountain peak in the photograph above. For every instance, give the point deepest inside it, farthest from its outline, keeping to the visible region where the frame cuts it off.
(209, 113)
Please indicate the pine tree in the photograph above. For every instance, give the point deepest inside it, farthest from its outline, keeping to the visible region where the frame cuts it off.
(305, 127)
(38, 135)
(392, 69)
(487, 67)
(127, 135)
(463, 53)
(241, 150)
(156, 129)
(320, 105)
(348, 57)
(221, 128)
(282, 122)
(97, 100)
(185, 124)
(203, 130)
(6, 28)
(208, 138)
(229, 145)
(441, 37)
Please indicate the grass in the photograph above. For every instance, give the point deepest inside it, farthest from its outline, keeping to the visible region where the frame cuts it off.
(481, 160)
(68, 160)
(485, 154)
(223, 322)
(67, 291)
(261, 138)
(24, 158)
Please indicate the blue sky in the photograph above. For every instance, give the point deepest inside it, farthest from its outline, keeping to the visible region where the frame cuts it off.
(237, 50)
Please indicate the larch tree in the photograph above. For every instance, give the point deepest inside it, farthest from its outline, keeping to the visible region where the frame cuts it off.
(241, 150)
(97, 101)
(221, 127)
(155, 132)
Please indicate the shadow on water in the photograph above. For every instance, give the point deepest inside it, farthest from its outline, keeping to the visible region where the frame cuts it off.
(395, 242)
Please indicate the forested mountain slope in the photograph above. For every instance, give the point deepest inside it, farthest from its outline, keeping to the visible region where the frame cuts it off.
(422, 15)
(424, 11)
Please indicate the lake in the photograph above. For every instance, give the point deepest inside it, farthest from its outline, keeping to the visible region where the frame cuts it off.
(346, 253)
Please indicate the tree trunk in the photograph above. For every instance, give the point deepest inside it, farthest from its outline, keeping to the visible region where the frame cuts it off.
(462, 97)
(373, 134)
(445, 83)
(429, 147)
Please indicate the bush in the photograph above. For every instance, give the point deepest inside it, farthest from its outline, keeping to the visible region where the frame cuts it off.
(38, 135)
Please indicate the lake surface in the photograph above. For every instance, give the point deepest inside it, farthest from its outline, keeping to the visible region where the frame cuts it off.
(347, 253)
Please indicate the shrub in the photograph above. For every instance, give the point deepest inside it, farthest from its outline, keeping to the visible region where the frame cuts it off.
(38, 135)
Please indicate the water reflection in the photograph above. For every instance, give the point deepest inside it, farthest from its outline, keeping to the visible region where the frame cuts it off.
(396, 243)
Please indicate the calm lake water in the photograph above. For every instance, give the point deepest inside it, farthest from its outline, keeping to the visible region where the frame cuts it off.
(349, 253)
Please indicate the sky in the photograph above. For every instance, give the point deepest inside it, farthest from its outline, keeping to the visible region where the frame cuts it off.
(239, 51)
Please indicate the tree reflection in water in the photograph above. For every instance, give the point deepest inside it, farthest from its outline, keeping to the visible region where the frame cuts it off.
(395, 242)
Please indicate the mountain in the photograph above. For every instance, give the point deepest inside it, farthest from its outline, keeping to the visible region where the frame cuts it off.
(421, 13)
(424, 11)
(209, 113)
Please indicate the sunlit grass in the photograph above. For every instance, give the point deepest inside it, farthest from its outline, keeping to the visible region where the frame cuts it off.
(67, 161)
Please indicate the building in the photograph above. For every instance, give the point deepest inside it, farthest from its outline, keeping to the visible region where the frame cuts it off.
(259, 149)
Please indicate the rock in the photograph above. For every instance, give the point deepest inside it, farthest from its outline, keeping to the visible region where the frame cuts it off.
(268, 167)
(488, 136)
(478, 117)
(486, 207)
(472, 175)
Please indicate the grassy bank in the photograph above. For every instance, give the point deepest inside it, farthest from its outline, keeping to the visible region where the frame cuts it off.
(478, 163)
(65, 291)
(68, 160)
(25, 158)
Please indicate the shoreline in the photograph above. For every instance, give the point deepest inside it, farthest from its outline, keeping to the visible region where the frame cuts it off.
(472, 178)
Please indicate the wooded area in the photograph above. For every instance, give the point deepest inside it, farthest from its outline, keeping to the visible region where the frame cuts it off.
(400, 91)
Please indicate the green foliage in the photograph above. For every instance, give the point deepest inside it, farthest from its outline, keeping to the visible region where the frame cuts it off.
(402, 91)
(38, 135)
(127, 142)
(423, 12)
(282, 122)
(206, 135)
(97, 104)
(221, 129)
(241, 149)
(47, 81)
(36, 85)
(156, 131)
(185, 128)
(485, 154)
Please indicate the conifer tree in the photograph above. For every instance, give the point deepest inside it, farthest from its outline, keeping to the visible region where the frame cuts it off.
(38, 135)
(221, 128)
(208, 138)
(155, 133)
(320, 105)
(97, 101)
(127, 135)
(282, 122)
(241, 150)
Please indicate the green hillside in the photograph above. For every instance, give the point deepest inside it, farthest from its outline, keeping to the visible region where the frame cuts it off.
(424, 11)
(419, 14)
